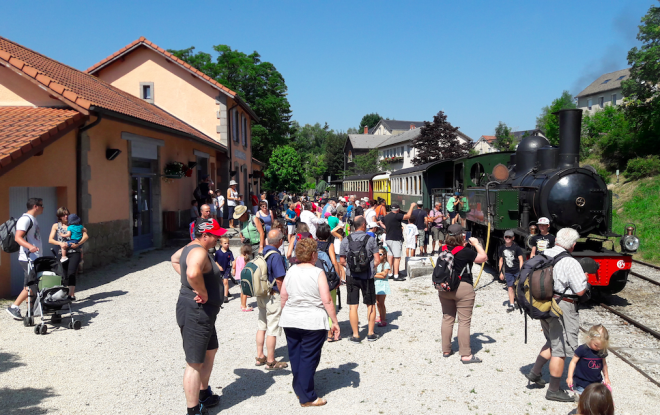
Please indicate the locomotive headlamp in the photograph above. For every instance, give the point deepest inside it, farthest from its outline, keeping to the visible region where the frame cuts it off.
(629, 242)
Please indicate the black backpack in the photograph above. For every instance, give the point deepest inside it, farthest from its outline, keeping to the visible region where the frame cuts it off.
(8, 235)
(445, 277)
(358, 257)
(325, 264)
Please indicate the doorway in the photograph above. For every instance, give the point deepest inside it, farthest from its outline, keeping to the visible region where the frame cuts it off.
(141, 197)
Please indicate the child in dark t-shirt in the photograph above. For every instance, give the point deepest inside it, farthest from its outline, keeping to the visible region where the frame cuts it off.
(224, 258)
(589, 365)
(511, 259)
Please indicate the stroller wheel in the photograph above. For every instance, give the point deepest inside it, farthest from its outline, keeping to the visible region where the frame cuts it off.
(37, 329)
(26, 321)
(44, 328)
(77, 325)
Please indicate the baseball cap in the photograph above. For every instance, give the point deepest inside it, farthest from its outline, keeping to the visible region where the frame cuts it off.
(211, 226)
(455, 229)
(543, 221)
(327, 214)
(589, 265)
(419, 202)
(456, 193)
(372, 225)
(74, 219)
(341, 199)
(509, 233)
(395, 206)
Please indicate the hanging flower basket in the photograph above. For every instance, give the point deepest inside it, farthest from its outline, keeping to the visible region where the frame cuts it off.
(393, 159)
(175, 170)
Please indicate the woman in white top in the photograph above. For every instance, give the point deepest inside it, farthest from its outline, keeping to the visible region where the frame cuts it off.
(232, 199)
(306, 306)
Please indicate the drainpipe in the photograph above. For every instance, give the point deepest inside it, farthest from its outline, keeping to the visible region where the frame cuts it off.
(79, 198)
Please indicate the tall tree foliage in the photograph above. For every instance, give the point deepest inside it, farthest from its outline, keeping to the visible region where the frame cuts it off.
(608, 132)
(334, 154)
(369, 121)
(366, 163)
(438, 140)
(504, 139)
(258, 83)
(548, 122)
(641, 88)
(284, 170)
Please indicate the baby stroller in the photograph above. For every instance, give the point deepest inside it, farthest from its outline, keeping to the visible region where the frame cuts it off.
(47, 295)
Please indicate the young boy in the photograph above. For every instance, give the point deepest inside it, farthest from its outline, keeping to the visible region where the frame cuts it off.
(224, 258)
(74, 232)
(290, 222)
(511, 260)
(410, 230)
(544, 240)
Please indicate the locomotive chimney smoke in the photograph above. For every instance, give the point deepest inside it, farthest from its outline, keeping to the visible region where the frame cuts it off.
(570, 124)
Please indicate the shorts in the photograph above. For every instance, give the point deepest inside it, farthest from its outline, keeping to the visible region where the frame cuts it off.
(411, 244)
(291, 229)
(270, 310)
(510, 278)
(24, 265)
(452, 215)
(421, 238)
(395, 248)
(71, 242)
(197, 325)
(462, 214)
(230, 212)
(437, 234)
(353, 288)
(578, 389)
(562, 333)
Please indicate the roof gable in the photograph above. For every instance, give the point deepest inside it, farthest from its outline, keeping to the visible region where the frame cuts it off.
(143, 42)
(366, 141)
(85, 92)
(606, 82)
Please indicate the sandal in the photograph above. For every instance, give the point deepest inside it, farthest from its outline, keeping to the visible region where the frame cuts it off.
(448, 354)
(317, 402)
(473, 359)
(276, 365)
(332, 339)
(382, 324)
(260, 361)
(247, 309)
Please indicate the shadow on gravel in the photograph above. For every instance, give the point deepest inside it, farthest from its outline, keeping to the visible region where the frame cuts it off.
(24, 400)
(545, 374)
(476, 342)
(335, 378)
(9, 361)
(87, 316)
(250, 383)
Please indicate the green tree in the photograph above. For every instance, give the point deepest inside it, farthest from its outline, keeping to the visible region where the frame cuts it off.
(641, 88)
(609, 133)
(366, 163)
(310, 138)
(258, 83)
(504, 139)
(284, 170)
(438, 140)
(548, 122)
(334, 154)
(369, 120)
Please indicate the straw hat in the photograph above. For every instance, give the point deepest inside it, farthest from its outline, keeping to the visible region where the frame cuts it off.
(239, 211)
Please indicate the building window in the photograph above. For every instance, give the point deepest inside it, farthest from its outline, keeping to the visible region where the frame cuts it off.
(620, 78)
(589, 103)
(147, 91)
(601, 102)
(234, 122)
(244, 131)
(614, 99)
(606, 81)
(350, 156)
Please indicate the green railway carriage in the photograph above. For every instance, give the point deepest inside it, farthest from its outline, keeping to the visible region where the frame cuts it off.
(410, 185)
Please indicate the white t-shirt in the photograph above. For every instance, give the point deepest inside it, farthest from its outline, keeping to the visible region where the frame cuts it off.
(370, 215)
(411, 235)
(33, 236)
(311, 220)
(221, 202)
(337, 244)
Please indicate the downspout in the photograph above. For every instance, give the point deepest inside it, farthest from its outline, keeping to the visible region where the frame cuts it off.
(230, 139)
(79, 204)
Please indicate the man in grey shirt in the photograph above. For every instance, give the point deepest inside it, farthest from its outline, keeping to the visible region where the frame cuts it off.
(362, 281)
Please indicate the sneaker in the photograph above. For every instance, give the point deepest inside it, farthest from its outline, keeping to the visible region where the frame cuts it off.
(64, 259)
(372, 337)
(510, 309)
(536, 379)
(15, 312)
(390, 276)
(397, 278)
(559, 396)
(211, 400)
(354, 339)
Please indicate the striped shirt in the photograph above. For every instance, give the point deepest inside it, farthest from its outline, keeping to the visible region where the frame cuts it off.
(568, 274)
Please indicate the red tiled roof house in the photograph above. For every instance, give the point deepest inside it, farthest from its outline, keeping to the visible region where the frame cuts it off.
(60, 129)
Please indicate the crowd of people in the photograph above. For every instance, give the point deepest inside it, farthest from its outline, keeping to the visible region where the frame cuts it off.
(342, 243)
(360, 243)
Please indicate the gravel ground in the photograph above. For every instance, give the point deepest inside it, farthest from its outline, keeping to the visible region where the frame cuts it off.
(128, 358)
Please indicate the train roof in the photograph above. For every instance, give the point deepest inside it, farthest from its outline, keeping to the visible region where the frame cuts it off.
(421, 167)
(360, 177)
(381, 176)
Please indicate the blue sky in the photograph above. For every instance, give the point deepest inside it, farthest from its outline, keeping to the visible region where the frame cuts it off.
(479, 61)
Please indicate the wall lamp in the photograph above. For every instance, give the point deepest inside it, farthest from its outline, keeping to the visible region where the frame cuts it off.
(112, 153)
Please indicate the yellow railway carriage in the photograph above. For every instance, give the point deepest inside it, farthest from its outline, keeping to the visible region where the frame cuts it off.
(382, 188)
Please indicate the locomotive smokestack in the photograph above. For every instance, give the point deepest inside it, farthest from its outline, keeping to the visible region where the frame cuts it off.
(570, 124)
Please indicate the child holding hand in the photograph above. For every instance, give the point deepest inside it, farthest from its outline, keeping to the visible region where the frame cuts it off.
(224, 258)
(382, 286)
(589, 361)
(239, 264)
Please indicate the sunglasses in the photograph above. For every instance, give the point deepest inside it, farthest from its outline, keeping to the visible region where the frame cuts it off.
(508, 237)
(40, 205)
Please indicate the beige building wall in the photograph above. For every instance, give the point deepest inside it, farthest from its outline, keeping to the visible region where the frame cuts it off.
(174, 89)
(17, 91)
(613, 97)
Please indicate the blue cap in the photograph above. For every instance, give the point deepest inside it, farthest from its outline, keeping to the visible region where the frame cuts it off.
(456, 193)
(74, 219)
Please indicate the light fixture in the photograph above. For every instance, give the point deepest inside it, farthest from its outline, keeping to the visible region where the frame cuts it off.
(112, 153)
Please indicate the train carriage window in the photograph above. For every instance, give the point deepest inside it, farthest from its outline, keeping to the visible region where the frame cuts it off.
(476, 173)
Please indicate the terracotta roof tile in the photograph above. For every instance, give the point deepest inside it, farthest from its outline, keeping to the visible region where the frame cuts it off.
(24, 128)
(87, 90)
(489, 138)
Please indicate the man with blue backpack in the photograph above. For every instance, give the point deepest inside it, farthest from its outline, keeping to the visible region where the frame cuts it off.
(359, 254)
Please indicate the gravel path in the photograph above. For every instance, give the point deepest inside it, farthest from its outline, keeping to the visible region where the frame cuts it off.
(128, 358)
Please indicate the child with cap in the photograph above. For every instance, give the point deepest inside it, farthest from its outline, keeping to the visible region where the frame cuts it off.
(511, 260)
(542, 241)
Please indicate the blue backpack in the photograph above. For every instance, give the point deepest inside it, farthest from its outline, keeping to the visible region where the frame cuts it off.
(326, 265)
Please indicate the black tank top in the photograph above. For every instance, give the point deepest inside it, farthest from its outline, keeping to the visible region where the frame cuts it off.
(211, 279)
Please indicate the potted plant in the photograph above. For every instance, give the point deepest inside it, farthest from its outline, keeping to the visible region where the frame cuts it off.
(175, 170)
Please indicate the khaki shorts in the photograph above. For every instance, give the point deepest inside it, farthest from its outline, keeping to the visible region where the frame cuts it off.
(270, 310)
(562, 333)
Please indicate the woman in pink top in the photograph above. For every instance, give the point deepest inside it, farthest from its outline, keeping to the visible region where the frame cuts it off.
(239, 264)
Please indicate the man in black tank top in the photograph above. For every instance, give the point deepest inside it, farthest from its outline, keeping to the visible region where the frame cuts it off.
(200, 298)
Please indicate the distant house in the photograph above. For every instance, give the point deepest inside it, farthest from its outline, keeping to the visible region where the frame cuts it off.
(519, 135)
(393, 127)
(359, 144)
(398, 151)
(484, 144)
(606, 90)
